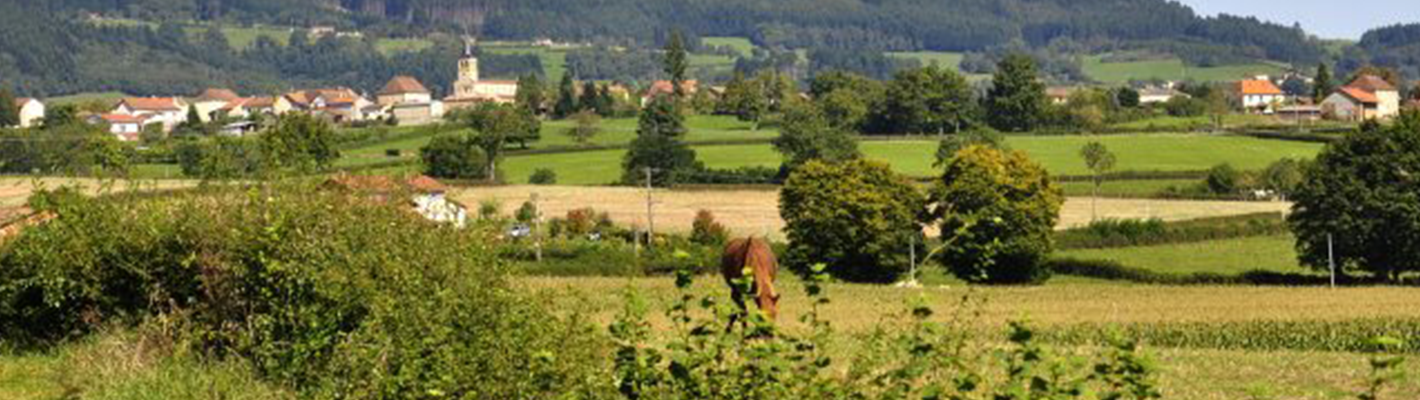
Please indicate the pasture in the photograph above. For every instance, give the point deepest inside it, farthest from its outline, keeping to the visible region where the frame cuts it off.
(1172, 69)
(1224, 257)
(756, 211)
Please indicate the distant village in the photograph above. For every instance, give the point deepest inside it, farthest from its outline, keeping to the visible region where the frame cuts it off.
(406, 102)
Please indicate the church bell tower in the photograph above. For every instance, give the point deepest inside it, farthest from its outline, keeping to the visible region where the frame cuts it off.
(468, 71)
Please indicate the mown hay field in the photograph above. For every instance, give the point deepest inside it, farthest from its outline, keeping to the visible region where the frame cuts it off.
(756, 211)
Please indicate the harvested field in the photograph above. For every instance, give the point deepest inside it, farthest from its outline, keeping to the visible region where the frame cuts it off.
(756, 211)
(15, 191)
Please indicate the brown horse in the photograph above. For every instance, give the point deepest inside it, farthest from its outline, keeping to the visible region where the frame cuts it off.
(755, 255)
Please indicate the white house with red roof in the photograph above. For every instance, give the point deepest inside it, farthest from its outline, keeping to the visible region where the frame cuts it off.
(1260, 95)
(339, 104)
(128, 128)
(1366, 97)
(31, 112)
(210, 101)
(168, 111)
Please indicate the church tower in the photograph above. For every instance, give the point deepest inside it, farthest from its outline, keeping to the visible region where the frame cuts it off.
(466, 85)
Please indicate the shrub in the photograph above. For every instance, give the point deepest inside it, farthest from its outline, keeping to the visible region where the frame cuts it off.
(1223, 179)
(454, 158)
(340, 297)
(997, 211)
(543, 176)
(857, 217)
(1111, 233)
(392, 152)
(705, 231)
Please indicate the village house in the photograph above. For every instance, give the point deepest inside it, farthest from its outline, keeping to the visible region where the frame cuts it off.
(1366, 97)
(1159, 94)
(1259, 95)
(211, 101)
(409, 102)
(128, 128)
(168, 111)
(1059, 95)
(664, 88)
(31, 112)
(470, 89)
(247, 106)
(426, 196)
(338, 104)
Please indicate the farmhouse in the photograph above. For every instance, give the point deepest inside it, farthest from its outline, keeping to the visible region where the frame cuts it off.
(1367, 97)
(168, 111)
(338, 104)
(410, 102)
(125, 127)
(248, 106)
(469, 89)
(210, 101)
(1157, 94)
(1259, 95)
(31, 112)
(427, 196)
(664, 88)
(1059, 95)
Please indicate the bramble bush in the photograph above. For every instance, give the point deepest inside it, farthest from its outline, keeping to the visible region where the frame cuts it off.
(338, 296)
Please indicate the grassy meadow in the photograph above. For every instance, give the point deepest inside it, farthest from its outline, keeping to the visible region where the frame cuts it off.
(1170, 69)
(1224, 257)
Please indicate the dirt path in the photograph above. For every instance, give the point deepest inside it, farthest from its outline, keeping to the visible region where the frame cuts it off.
(757, 211)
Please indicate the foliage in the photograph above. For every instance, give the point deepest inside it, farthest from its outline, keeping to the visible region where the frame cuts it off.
(658, 147)
(299, 143)
(805, 134)
(221, 158)
(704, 230)
(1385, 367)
(1099, 160)
(1357, 195)
(1016, 101)
(70, 149)
(587, 127)
(675, 63)
(9, 111)
(744, 99)
(948, 147)
(566, 104)
(494, 126)
(543, 176)
(1323, 84)
(1116, 233)
(926, 100)
(326, 292)
(453, 157)
(1224, 179)
(531, 95)
(1282, 176)
(997, 210)
(857, 217)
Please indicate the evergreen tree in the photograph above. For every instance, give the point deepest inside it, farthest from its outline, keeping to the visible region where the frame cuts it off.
(1323, 85)
(9, 111)
(676, 63)
(606, 103)
(1016, 101)
(566, 97)
(658, 147)
(531, 95)
(589, 98)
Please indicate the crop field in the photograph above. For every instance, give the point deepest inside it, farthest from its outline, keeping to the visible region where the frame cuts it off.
(1169, 69)
(1225, 257)
(741, 45)
(1222, 371)
(756, 211)
(1059, 154)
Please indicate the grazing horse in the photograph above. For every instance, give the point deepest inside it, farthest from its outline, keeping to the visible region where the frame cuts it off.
(755, 255)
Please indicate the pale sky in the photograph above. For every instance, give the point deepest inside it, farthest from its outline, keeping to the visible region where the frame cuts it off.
(1331, 19)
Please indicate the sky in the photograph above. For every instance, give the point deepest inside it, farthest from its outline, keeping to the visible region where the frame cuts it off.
(1330, 19)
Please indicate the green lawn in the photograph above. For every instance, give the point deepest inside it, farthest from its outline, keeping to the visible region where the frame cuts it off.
(741, 45)
(554, 61)
(1059, 154)
(1227, 257)
(87, 97)
(1170, 69)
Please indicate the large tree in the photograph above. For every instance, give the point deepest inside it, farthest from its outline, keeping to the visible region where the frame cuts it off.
(1323, 84)
(858, 218)
(9, 111)
(997, 211)
(744, 99)
(494, 126)
(927, 100)
(658, 147)
(1016, 101)
(675, 64)
(531, 95)
(807, 135)
(1359, 199)
(453, 157)
(566, 97)
(300, 143)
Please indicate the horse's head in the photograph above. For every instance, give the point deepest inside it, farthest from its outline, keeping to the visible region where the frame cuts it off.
(769, 304)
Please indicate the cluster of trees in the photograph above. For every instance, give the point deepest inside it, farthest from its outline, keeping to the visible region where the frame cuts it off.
(295, 144)
(486, 131)
(63, 145)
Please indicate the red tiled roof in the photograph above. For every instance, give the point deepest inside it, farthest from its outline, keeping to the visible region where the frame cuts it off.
(385, 184)
(123, 119)
(260, 102)
(664, 87)
(20, 102)
(1360, 95)
(217, 95)
(1371, 83)
(1259, 87)
(403, 85)
(424, 183)
(152, 103)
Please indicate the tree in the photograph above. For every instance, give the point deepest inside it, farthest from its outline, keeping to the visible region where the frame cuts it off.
(453, 157)
(858, 218)
(1016, 101)
(1283, 176)
(9, 111)
(806, 135)
(300, 143)
(675, 64)
(606, 102)
(1357, 198)
(587, 126)
(927, 100)
(1099, 160)
(1127, 97)
(744, 99)
(658, 147)
(948, 147)
(566, 97)
(494, 125)
(220, 158)
(997, 211)
(531, 95)
(1323, 84)
(589, 97)
(1224, 179)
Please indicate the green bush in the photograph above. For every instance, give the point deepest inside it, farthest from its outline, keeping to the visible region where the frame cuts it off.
(338, 296)
(1112, 233)
(705, 231)
(543, 176)
(857, 217)
(997, 211)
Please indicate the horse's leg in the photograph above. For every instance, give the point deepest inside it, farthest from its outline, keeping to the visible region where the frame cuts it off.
(739, 300)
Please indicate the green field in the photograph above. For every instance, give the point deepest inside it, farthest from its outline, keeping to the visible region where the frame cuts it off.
(1059, 154)
(1170, 69)
(1225, 257)
(81, 98)
(554, 61)
(741, 45)
(928, 58)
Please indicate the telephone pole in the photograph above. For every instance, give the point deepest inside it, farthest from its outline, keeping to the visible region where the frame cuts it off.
(537, 227)
(650, 209)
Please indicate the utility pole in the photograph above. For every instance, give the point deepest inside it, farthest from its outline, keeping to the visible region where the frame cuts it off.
(537, 227)
(1331, 260)
(650, 212)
